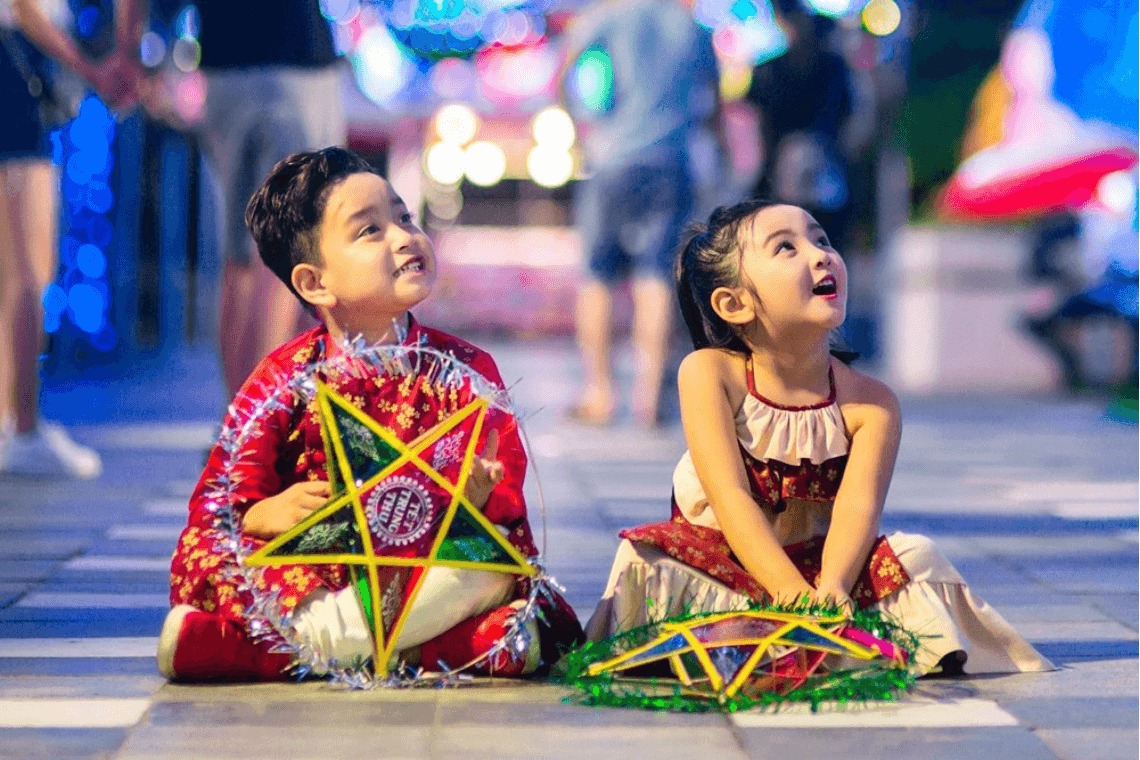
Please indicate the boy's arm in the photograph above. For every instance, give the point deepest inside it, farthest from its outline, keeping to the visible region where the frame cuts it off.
(254, 472)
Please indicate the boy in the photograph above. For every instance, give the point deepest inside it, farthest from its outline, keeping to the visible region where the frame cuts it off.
(340, 238)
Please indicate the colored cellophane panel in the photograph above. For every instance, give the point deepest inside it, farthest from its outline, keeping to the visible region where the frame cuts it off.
(446, 453)
(668, 647)
(800, 635)
(784, 673)
(395, 583)
(736, 629)
(404, 511)
(729, 660)
(335, 534)
(469, 541)
(366, 451)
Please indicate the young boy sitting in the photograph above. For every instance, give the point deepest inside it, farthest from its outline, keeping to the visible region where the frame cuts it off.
(339, 236)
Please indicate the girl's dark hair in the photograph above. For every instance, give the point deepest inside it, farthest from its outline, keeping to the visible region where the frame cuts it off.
(285, 213)
(709, 259)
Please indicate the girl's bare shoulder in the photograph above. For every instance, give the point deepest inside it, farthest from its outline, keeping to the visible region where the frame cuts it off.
(707, 368)
(864, 400)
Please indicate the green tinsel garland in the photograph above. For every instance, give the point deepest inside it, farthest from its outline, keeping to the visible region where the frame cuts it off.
(873, 682)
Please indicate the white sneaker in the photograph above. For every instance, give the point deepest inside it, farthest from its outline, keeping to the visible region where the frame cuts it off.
(48, 451)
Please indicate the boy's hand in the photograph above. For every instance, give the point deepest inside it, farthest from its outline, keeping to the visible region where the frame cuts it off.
(271, 517)
(486, 472)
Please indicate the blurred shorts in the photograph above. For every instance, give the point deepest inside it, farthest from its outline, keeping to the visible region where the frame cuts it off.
(21, 133)
(631, 219)
(255, 118)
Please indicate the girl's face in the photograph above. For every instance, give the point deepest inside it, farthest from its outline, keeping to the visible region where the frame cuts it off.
(794, 277)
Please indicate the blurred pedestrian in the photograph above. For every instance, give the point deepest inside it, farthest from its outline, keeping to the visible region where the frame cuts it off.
(641, 78)
(272, 89)
(804, 100)
(29, 187)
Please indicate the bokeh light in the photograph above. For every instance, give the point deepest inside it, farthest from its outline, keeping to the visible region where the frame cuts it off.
(553, 128)
(187, 54)
(1117, 192)
(152, 49)
(82, 293)
(382, 70)
(444, 163)
(882, 17)
(549, 167)
(594, 80)
(833, 8)
(484, 163)
(456, 124)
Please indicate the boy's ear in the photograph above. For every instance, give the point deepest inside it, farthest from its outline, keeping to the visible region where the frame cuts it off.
(733, 305)
(308, 281)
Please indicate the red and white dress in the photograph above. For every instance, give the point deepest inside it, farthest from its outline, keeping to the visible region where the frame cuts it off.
(795, 459)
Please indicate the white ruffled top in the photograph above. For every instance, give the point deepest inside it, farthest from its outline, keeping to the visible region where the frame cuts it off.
(768, 431)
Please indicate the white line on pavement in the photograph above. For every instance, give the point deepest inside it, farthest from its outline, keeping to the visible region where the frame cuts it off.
(71, 713)
(101, 563)
(78, 601)
(144, 532)
(166, 507)
(136, 646)
(909, 713)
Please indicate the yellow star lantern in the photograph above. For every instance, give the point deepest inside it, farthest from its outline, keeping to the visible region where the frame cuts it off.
(750, 652)
(397, 510)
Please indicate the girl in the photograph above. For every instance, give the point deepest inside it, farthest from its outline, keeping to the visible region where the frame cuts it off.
(790, 456)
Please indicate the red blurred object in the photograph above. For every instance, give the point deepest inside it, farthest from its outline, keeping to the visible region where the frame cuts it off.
(1005, 182)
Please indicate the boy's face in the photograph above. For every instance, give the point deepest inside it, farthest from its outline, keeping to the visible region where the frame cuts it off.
(375, 261)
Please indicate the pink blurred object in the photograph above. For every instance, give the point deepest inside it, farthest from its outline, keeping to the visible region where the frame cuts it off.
(1015, 181)
(885, 648)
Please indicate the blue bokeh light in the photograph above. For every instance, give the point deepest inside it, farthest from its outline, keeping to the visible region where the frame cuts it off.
(82, 292)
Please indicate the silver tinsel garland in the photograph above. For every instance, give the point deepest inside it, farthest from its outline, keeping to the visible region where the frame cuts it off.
(245, 422)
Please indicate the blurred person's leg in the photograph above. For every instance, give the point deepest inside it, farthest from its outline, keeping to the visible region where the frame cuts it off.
(597, 205)
(594, 328)
(257, 118)
(652, 331)
(664, 202)
(27, 262)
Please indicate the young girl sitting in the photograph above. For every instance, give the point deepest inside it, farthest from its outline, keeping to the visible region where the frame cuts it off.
(790, 456)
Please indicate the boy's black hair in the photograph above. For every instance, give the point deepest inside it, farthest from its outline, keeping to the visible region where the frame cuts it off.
(709, 259)
(284, 215)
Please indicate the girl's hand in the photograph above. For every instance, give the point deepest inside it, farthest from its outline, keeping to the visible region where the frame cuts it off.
(486, 472)
(271, 517)
(833, 594)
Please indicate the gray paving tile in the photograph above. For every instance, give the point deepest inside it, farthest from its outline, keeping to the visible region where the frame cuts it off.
(26, 570)
(343, 710)
(496, 742)
(1067, 712)
(61, 743)
(560, 715)
(1053, 613)
(1090, 743)
(894, 743)
(1076, 680)
(255, 742)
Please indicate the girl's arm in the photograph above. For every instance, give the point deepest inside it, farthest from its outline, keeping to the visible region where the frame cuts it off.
(876, 426)
(707, 416)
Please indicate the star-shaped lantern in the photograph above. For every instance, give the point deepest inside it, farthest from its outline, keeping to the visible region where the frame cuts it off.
(747, 653)
(397, 510)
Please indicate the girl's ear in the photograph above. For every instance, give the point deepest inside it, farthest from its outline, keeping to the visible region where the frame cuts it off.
(733, 305)
(308, 281)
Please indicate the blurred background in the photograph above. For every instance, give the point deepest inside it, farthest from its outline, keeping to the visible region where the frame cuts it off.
(979, 159)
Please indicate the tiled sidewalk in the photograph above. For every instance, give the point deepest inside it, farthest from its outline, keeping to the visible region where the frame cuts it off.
(1034, 501)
